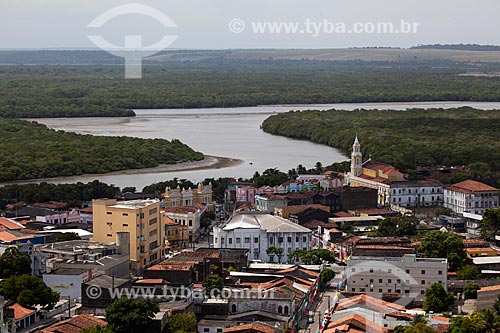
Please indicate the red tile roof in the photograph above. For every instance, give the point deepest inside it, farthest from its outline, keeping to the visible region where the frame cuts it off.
(20, 311)
(7, 237)
(354, 321)
(74, 325)
(253, 327)
(8, 224)
(470, 186)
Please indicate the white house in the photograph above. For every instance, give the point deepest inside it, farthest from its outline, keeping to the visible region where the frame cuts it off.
(257, 231)
(470, 196)
(420, 193)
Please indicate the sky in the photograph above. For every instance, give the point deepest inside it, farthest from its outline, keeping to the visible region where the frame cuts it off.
(230, 24)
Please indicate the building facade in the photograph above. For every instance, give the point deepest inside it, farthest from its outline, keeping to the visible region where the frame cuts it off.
(470, 196)
(188, 197)
(372, 174)
(406, 276)
(140, 219)
(420, 193)
(257, 232)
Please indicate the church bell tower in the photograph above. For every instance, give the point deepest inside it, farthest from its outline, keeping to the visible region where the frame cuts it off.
(356, 159)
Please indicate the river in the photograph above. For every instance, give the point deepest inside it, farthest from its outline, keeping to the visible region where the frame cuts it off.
(226, 132)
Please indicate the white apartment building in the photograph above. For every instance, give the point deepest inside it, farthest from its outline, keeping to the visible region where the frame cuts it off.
(420, 193)
(407, 276)
(470, 196)
(257, 231)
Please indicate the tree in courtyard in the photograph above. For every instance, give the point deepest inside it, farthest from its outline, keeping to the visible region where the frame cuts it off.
(437, 244)
(490, 321)
(213, 281)
(470, 291)
(437, 299)
(325, 276)
(468, 272)
(272, 251)
(97, 329)
(131, 315)
(490, 224)
(182, 323)
(28, 290)
(13, 262)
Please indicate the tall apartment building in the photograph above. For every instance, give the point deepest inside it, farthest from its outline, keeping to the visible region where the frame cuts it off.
(141, 219)
(406, 276)
(470, 196)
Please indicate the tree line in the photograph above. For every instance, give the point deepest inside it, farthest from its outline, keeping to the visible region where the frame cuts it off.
(31, 150)
(83, 91)
(405, 139)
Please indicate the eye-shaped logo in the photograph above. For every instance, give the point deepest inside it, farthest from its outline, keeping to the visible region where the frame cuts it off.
(133, 51)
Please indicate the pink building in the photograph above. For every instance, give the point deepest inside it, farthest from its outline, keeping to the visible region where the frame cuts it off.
(246, 194)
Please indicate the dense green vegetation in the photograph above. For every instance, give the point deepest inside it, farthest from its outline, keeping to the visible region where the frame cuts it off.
(28, 290)
(132, 315)
(75, 91)
(73, 194)
(437, 244)
(406, 139)
(31, 150)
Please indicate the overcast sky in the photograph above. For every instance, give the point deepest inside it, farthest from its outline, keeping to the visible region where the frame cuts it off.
(204, 24)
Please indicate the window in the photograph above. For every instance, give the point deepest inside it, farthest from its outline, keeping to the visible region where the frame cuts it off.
(142, 249)
(371, 280)
(423, 272)
(109, 235)
(297, 239)
(153, 221)
(379, 280)
(371, 270)
(233, 308)
(389, 271)
(256, 240)
(304, 239)
(280, 239)
(289, 239)
(238, 240)
(153, 233)
(230, 241)
(109, 213)
(271, 240)
(220, 330)
(353, 269)
(440, 272)
(153, 211)
(389, 280)
(380, 290)
(286, 309)
(422, 282)
(125, 225)
(407, 271)
(142, 215)
(247, 240)
(206, 330)
(125, 214)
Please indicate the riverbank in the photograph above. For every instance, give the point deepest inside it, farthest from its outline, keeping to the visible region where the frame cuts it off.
(208, 163)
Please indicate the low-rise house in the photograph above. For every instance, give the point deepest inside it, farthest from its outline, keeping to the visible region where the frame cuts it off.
(178, 197)
(189, 216)
(176, 234)
(269, 202)
(472, 223)
(22, 317)
(470, 196)
(74, 324)
(486, 297)
(246, 194)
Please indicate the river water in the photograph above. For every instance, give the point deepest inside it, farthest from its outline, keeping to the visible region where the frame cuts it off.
(226, 132)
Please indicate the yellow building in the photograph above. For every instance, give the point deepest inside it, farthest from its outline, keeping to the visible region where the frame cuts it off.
(188, 197)
(141, 219)
(372, 174)
(176, 234)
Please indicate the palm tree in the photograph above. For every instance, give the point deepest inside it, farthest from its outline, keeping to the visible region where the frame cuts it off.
(490, 321)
